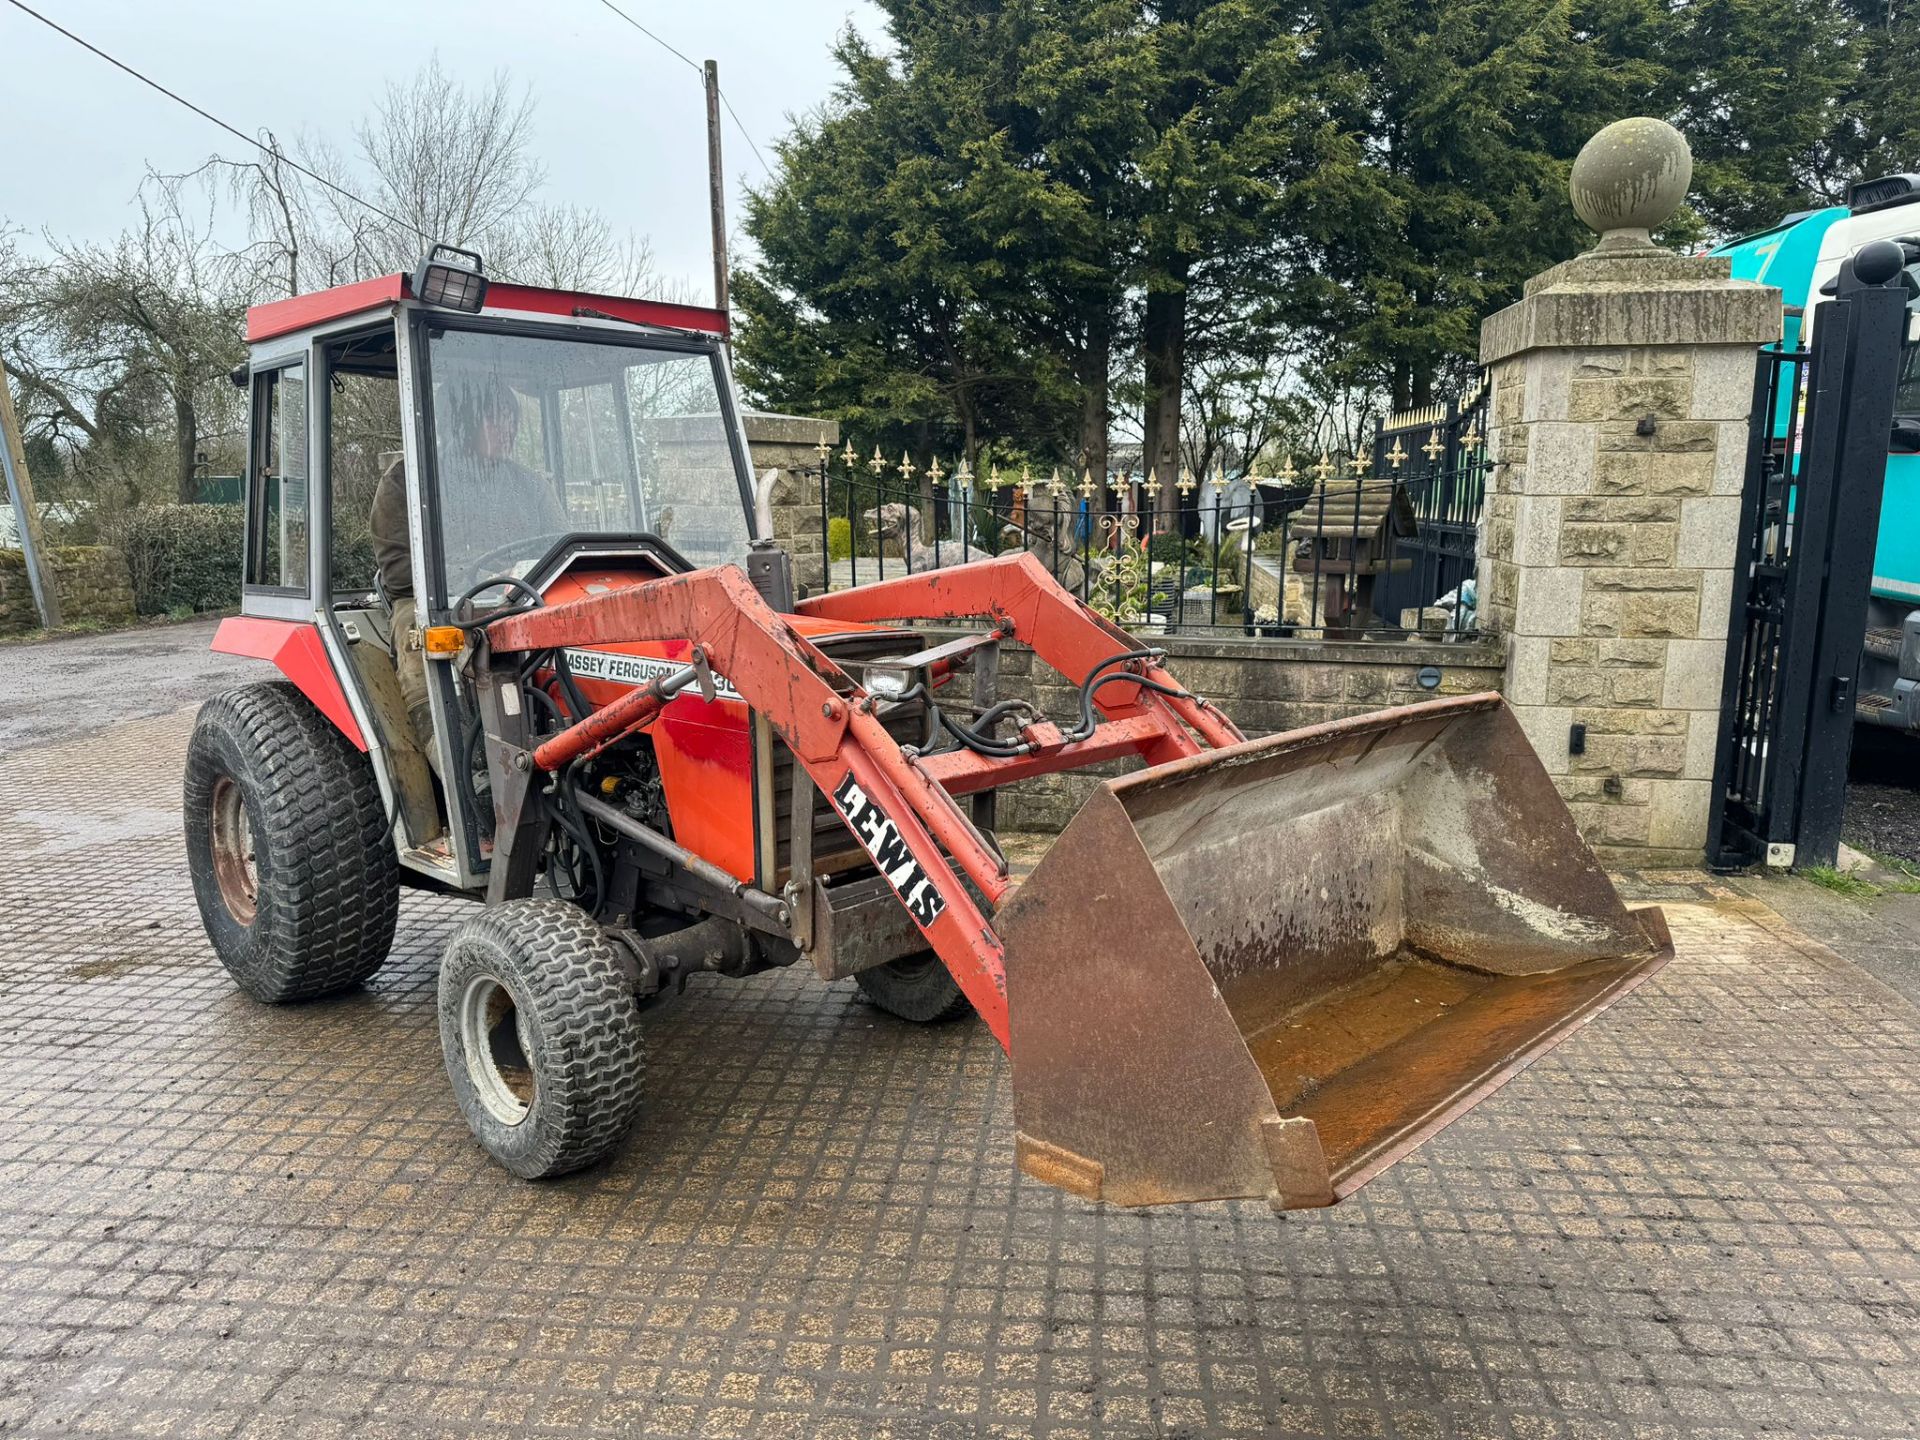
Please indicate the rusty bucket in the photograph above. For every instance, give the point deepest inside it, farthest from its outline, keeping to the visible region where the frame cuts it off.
(1274, 969)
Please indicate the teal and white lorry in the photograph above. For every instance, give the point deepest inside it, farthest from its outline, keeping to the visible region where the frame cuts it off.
(1800, 255)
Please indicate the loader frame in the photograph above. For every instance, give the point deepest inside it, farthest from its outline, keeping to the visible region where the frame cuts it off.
(900, 804)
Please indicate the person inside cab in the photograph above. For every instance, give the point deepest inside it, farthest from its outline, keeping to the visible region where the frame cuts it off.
(491, 507)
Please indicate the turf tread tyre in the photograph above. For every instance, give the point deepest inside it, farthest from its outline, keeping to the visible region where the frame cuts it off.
(328, 878)
(567, 981)
(916, 988)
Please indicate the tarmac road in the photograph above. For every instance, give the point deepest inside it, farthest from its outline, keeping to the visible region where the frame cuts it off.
(80, 685)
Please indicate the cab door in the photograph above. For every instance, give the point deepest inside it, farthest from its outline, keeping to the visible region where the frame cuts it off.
(277, 575)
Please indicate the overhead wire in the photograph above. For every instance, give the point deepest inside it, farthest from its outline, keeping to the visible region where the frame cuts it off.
(338, 189)
(679, 54)
(698, 69)
(233, 130)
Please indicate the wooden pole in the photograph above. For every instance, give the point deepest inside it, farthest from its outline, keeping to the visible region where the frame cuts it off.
(13, 454)
(716, 187)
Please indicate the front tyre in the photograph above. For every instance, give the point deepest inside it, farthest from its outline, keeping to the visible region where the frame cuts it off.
(288, 846)
(916, 988)
(541, 1034)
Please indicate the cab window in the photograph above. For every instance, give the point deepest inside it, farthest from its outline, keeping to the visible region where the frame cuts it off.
(278, 516)
(1906, 399)
(363, 448)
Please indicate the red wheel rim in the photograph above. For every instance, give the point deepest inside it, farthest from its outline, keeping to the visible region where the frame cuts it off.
(233, 861)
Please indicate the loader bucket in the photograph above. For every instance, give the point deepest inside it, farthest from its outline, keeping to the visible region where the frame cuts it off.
(1274, 969)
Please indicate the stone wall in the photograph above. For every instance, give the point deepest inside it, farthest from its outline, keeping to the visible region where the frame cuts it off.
(1621, 386)
(1265, 686)
(91, 581)
(790, 445)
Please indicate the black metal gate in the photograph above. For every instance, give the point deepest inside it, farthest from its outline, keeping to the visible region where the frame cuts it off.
(1438, 458)
(1809, 517)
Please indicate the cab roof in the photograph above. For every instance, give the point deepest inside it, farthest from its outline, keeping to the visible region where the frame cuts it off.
(303, 312)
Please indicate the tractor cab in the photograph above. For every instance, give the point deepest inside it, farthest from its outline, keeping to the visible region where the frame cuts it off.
(415, 441)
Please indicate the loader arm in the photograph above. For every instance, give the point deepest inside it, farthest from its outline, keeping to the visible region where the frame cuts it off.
(900, 807)
(1255, 968)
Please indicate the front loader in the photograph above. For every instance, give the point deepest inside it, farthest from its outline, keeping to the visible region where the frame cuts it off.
(1261, 968)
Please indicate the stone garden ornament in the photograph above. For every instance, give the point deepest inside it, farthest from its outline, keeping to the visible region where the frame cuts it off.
(1629, 179)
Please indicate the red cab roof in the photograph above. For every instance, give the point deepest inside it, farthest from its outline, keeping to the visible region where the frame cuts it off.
(283, 317)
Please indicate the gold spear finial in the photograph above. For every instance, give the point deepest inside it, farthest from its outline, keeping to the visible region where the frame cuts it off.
(1358, 465)
(905, 467)
(934, 472)
(1397, 454)
(1324, 468)
(1434, 447)
(878, 462)
(848, 455)
(1086, 481)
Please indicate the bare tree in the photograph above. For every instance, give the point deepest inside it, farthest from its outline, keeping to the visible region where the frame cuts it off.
(450, 163)
(571, 248)
(1238, 406)
(121, 340)
(120, 351)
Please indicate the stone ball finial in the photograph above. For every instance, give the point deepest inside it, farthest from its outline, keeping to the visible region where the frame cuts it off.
(1629, 178)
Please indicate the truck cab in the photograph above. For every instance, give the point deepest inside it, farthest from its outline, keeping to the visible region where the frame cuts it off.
(1802, 255)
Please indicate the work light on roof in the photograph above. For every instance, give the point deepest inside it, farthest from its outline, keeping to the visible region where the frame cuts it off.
(452, 278)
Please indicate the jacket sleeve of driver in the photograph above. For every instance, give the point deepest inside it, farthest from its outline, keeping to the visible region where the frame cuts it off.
(392, 548)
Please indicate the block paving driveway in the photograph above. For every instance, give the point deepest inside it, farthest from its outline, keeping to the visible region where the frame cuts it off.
(1699, 1217)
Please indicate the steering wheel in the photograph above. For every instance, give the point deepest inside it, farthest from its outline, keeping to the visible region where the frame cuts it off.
(526, 547)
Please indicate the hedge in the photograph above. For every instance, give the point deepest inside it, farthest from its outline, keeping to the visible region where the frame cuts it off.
(182, 557)
(839, 538)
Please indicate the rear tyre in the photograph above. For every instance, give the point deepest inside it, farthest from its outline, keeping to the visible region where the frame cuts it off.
(288, 846)
(916, 988)
(541, 1035)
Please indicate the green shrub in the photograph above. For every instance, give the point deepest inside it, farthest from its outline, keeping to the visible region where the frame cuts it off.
(1167, 547)
(839, 538)
(182, 556)
(353, 562)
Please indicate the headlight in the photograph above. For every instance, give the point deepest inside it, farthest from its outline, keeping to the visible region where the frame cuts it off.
(452, 278)
(889, 682)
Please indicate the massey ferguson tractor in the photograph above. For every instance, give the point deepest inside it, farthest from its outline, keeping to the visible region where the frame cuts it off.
(541, 651)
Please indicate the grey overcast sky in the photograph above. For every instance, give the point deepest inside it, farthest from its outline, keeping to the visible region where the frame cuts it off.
(620, 123)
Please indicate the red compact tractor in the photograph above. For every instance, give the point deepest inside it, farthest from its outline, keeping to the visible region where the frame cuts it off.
(539, 650)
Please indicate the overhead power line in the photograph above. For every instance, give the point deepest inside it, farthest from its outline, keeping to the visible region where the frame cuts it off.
(744, 135)
(691, 64)
(232, 130)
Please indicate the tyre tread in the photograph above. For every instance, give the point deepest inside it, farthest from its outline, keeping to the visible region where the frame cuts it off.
(570, 973)
(334, 900)
(923, 995)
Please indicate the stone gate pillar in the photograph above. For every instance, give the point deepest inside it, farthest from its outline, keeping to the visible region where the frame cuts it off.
(790, 444)
(1621, 384)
